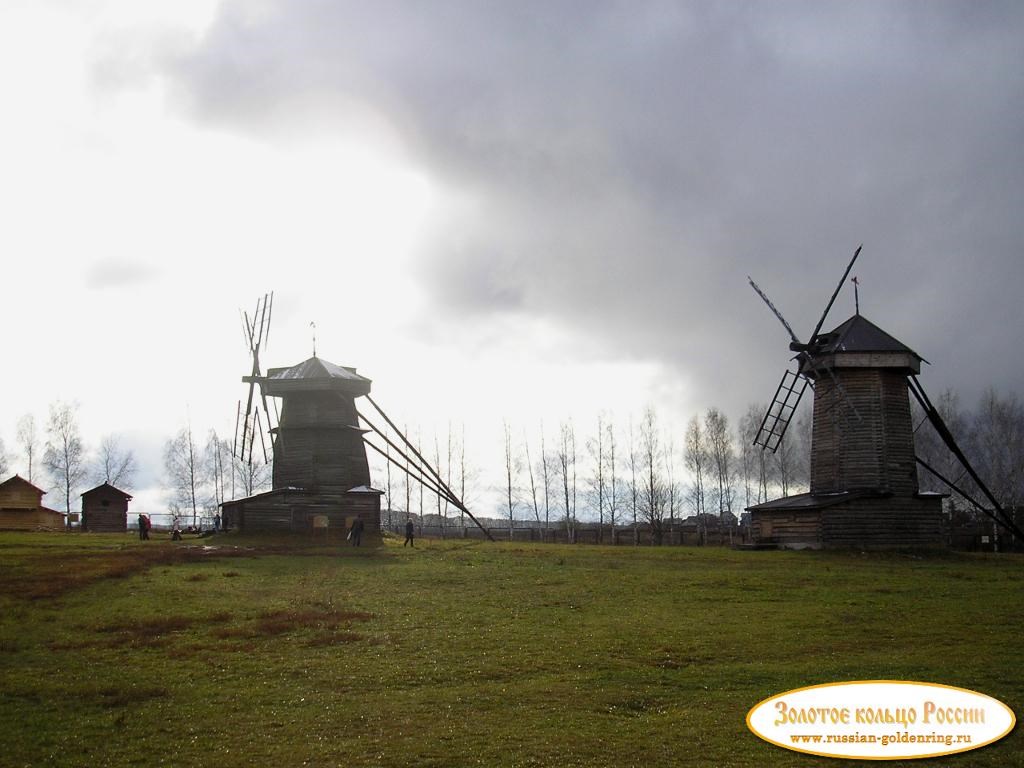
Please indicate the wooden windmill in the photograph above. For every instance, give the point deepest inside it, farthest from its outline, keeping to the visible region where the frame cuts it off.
(321, 475)
(864, 488)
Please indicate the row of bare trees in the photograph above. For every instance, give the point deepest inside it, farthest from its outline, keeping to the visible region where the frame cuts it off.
(201, 475)
(637, 476)
(56, 457)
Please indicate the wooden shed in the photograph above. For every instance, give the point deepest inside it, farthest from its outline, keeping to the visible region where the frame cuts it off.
(21, 508)
(105, 509)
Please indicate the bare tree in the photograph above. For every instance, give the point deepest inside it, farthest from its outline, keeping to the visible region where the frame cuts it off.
(115, 464)
(613, 489)
(753, 459)
(512, 470)
(64, 457)
(696, 459)
(567, 469)
(186, 474)
(217, 456)
(596, 446)
(533, 484)
(28, 439)
(634, 490)
(671, 489)
(652, 485)
(719, 443)
(546, 472)
(997, 445)
(3, 459)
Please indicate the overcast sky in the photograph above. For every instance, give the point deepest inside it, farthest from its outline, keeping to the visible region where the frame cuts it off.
(497, 210)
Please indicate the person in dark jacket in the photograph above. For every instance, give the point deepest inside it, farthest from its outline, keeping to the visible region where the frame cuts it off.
(409, 530)
(356, 534)
(143, 527)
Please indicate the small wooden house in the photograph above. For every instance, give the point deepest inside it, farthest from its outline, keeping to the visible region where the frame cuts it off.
(21, 508)
(105, 509)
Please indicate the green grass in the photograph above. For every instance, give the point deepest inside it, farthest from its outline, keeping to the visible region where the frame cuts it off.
(282, 652)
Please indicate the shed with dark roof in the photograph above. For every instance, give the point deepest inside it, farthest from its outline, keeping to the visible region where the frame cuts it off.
(105, 509)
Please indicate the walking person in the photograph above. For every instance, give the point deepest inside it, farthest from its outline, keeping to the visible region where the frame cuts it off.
(143, 527)
(409, 530)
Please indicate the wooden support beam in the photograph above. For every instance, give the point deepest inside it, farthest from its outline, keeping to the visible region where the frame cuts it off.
(947, 437)
(448, 493)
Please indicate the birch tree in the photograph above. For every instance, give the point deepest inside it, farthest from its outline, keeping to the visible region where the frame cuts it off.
(652, 484)
(696, 460)
(28, 441)
(634, 490)
(115, 464)
(512, 468)
(185, 472)
(595, 447)
(64, 457)
(613, 489)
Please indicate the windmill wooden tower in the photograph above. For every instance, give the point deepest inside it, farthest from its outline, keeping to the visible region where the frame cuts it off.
(320, 473)
(863, 483)
(321, 476)
(863, 486)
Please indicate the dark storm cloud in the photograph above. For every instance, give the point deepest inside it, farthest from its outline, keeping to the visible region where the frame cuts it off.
(633, 162)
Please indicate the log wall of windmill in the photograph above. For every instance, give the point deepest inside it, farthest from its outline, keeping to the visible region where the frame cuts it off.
(290, 511)
(874, 451)
(318, 447)
(896, 522)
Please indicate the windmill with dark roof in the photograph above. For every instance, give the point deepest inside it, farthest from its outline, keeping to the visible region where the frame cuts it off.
(864, 488)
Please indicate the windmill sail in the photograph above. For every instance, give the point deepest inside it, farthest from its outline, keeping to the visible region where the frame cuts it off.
(780, 412)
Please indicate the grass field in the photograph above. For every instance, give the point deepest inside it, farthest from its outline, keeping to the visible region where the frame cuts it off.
(277, 652)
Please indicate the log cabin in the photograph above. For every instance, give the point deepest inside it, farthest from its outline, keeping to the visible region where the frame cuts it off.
(105, 509)
(21, 508)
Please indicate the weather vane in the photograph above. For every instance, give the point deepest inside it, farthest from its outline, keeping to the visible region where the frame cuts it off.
(313, 326)
(856, 294)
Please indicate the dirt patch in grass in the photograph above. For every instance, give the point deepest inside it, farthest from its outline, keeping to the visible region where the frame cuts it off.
(40, 577)
(114, 696)
(273, 623)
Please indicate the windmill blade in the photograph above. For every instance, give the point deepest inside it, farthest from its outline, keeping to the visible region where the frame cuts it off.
(773, 308)
(269, 316)
(780, 412)
(842, 281)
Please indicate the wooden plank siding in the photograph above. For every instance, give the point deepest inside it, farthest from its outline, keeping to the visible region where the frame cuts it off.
(21, 508)
(105, 510)
(318, 445)
(874, 451)
(292, 511)
(891, 523)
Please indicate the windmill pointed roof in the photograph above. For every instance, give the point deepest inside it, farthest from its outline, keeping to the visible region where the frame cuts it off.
(315, 368)
(315, 374)
(858, 334)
